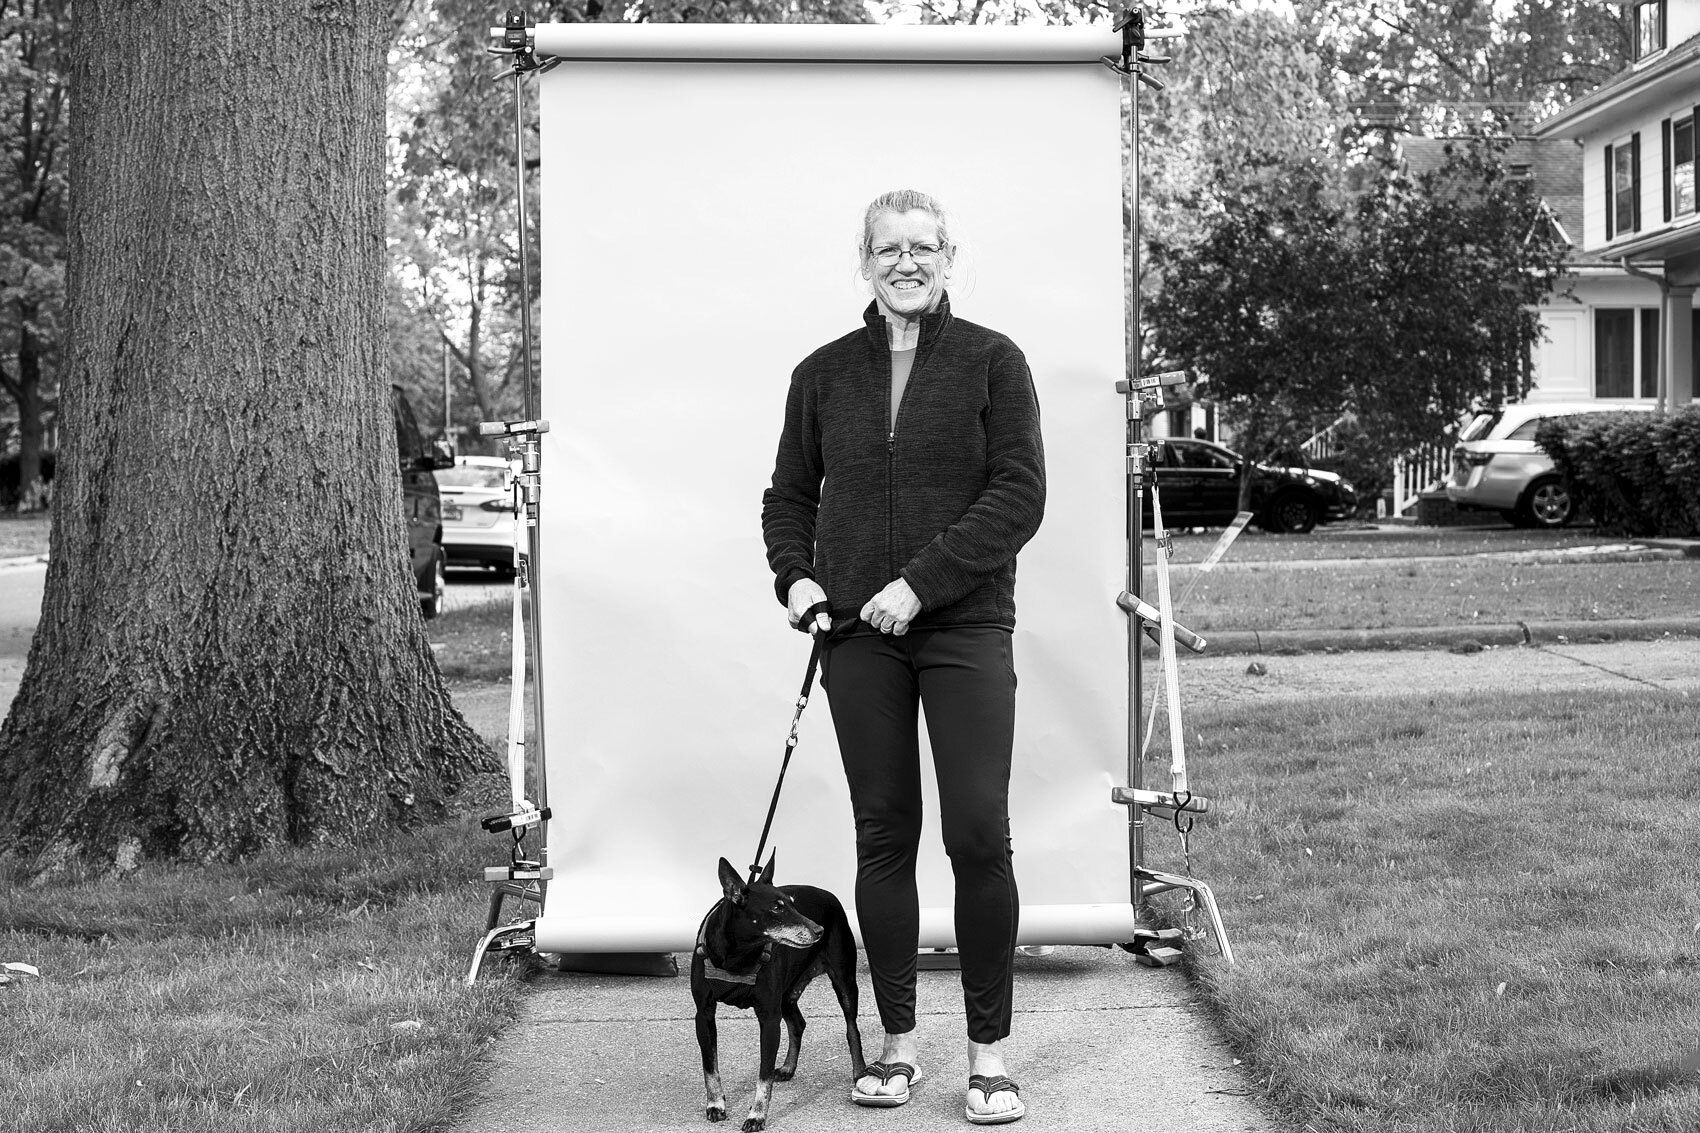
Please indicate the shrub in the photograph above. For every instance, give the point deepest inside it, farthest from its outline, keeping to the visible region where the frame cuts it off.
(1639, 474)
(12, 493)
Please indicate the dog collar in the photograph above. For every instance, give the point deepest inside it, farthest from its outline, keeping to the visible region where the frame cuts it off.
(714, 972)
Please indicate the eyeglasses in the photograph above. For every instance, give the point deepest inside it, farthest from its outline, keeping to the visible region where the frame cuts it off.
(920, 253)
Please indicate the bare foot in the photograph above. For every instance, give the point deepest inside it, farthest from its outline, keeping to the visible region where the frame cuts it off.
(897, 1048)
(987, 1059)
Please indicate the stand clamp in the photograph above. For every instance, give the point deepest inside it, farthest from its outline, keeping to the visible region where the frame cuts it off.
(517, 39)
(1133, 57)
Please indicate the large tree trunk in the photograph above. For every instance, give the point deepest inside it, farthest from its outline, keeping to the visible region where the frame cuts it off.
(230, 652)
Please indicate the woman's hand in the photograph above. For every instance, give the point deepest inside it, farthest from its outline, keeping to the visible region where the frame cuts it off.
(892, 609)
(805, 592)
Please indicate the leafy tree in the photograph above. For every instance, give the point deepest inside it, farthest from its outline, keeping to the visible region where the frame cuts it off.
(230, 653)
(1440, 67)
(1403, 308)
(32, 214)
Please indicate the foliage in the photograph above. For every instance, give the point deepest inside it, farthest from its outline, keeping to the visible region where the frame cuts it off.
(1402, 307)
(1637, 473)
(1441, 67)
(10, 487)
(33, 105)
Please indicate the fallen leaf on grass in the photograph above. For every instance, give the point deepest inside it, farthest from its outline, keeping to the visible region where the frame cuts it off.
(10, 972)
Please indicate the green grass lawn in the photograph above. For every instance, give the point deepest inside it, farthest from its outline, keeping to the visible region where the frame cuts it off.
(1363, 541)
(23, 534)
(317, 991)
(1459, 590)
(1458, 913)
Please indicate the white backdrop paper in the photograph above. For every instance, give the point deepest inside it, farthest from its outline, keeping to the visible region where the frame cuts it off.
(699, 224)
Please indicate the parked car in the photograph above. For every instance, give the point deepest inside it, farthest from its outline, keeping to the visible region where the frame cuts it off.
(1496, 465)
(478, 512)
(420, 501)
(1200, 482)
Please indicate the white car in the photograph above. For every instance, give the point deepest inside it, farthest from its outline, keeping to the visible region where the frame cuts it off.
(1496, 465)
(478, 512)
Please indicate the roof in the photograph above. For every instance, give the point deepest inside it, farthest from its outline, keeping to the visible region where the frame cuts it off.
(1623, 92)
(1555, 167)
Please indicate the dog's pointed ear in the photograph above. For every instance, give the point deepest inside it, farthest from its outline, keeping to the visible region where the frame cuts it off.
(767, 870)
(730, 883)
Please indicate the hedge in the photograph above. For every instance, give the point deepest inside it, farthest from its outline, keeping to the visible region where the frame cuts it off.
(1638, 473)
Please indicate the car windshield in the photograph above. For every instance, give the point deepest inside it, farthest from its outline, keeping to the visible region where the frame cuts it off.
(1480, 427)
(473, 476)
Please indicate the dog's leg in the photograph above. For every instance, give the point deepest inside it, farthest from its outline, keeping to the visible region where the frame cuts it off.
(841, 970)
(757, 1120)
(794, 1025)
(708, 1038)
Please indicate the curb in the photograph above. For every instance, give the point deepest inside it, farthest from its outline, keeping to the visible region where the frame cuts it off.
(22, 560)
(1464, 638)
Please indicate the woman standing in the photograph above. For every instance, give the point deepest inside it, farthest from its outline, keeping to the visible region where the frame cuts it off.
(909, 473)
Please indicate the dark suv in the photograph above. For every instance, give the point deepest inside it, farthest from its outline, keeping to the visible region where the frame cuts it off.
(421, 504)
(1200, 482)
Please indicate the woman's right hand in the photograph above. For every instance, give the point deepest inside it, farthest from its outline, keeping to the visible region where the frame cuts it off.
(805, 592)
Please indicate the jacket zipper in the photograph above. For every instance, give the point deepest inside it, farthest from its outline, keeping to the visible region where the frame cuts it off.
(891, 460)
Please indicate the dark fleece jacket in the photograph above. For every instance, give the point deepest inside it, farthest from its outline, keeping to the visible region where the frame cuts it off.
(945, 498)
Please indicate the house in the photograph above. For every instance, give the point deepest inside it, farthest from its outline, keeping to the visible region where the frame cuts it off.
(1634, 338)
(1600, 340)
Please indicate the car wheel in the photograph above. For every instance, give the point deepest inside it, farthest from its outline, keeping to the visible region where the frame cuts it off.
(432, 605)
(1548, 503)
(1292, 512)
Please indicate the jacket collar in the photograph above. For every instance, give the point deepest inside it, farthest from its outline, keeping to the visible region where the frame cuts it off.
(932, 323)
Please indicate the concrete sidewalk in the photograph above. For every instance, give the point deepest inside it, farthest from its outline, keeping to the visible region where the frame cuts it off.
(1100, 1044)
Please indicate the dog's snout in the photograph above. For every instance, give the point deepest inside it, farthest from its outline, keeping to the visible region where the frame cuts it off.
(800, 934)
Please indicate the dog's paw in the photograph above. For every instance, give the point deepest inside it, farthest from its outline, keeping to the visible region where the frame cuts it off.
(716, 1113)
(784, 1073)
(754, 1124)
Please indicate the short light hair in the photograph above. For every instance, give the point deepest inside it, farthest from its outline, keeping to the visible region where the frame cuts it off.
(901, 201)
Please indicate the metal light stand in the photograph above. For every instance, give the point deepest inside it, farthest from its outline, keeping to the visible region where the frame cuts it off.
(522, 878)
(1144, 397)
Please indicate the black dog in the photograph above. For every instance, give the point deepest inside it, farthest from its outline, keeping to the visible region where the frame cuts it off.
(759, 947)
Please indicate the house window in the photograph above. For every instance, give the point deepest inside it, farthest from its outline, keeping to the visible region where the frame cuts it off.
(1623, 186)
(1650, 352)
(1649, 27)
(1682, 166)
(1626, 351)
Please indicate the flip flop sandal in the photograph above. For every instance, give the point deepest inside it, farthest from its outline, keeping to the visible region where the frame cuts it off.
(990, 1086)
(885, 1073)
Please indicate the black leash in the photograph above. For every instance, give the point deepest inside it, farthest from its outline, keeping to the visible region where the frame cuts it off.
(842, 629)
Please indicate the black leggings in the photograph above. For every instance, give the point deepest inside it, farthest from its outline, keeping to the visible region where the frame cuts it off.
(964, 679)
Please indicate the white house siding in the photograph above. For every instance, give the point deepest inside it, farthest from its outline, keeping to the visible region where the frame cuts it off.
(1564, 360)
(1652, 175)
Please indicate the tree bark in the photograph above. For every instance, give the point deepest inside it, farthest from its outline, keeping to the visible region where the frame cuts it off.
(230, 654)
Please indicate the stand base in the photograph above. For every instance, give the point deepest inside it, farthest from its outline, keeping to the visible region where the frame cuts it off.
(520, 937)
(620, 963)
(938, 960)
(1153, 882)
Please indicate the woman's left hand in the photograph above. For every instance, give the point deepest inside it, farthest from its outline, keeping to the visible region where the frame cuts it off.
(892, 609)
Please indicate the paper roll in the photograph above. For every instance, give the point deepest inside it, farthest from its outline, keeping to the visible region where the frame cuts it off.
(569, 931)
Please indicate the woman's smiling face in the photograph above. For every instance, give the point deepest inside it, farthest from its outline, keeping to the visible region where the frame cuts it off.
(906, 288)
